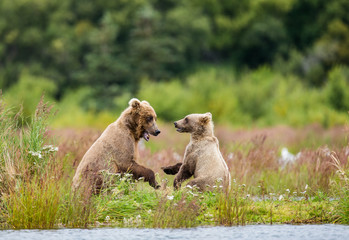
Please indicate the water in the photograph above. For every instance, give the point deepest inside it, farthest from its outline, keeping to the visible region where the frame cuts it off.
(268, 232)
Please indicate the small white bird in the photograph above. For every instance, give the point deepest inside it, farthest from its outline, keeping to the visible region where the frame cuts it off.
(287, 157)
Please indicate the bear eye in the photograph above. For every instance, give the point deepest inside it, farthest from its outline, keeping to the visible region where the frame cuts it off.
(186, 120)
(149, 118)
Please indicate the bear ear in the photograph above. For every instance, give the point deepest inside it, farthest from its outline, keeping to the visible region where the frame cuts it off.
(145, 102)
(209, 115)
(134, 102)
(205, 119)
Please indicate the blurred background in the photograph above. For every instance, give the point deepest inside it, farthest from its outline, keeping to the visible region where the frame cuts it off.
(250, 63)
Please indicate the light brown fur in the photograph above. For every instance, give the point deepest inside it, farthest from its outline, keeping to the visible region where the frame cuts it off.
(202, 158)
(116, 149)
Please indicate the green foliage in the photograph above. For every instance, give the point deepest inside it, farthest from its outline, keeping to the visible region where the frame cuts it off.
(338, 96)
(201, 93)
(70, 113)
(111, 46)
(262, 97)
(23, 152)
(28, 91)
(168, 98)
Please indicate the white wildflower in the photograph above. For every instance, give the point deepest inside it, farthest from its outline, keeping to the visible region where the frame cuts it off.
(127, 175)
(281, 197)
(36, 154)
(288, 190)
(306, 187)
(170, 197)
(50, 148)
(107, 218)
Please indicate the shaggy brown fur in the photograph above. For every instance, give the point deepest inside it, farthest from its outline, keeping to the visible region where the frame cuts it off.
(116, 149)
(202, 158)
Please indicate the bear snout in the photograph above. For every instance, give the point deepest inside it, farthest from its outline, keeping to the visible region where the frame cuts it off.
(175, 124)
(157, 132)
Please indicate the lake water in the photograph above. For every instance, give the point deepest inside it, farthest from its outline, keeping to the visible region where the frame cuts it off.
(250, 232)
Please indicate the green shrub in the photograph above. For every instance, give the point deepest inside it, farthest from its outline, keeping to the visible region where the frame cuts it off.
(337, 88)
(261, 97)
(72, 114)
(169, 99)
(27, 92)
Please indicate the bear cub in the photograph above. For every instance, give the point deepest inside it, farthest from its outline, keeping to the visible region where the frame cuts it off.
(202, 157)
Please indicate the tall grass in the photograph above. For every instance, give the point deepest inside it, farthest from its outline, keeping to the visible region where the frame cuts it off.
(343, 189)
(179, 211)
(33, 190)
(34, 204)
(231, 207)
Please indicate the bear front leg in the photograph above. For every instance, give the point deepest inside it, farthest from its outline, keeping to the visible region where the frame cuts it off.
(172, 170)
(139, 171)
(183, 174)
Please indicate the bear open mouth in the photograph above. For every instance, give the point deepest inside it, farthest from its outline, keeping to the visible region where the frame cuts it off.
(146, 136)
(179, 129)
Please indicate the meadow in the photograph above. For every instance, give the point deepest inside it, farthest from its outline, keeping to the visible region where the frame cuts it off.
(269, 185)
(274, 75)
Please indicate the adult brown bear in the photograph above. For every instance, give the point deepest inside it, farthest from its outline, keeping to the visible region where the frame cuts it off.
(116, 149)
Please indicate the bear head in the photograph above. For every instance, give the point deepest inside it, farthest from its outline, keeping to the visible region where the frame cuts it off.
(146, 118)
(197, 124)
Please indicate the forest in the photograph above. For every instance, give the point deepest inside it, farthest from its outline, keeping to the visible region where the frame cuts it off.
(261, 63)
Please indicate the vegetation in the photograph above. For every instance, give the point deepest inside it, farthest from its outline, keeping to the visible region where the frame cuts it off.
(252, 64)
(288, 57)
(35, 181)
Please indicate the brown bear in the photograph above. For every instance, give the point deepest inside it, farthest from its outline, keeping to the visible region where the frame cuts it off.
(202, 157)
(116, 149)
